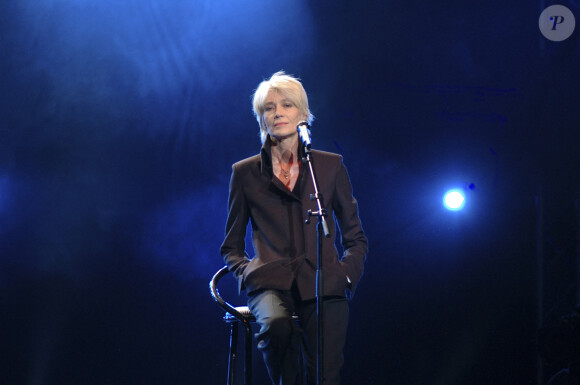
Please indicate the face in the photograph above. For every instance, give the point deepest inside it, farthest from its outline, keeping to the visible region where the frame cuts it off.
(281, 115)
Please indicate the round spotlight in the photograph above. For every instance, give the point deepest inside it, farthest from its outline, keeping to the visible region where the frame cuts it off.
(453, 200)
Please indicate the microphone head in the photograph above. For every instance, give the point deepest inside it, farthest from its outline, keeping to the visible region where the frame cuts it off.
(303, 129)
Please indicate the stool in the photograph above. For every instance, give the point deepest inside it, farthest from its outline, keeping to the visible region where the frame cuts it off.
(234, 316)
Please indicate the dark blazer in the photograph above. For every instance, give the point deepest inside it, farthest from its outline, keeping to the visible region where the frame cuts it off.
(285, 248)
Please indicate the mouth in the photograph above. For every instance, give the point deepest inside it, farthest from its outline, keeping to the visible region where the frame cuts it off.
(280, 124)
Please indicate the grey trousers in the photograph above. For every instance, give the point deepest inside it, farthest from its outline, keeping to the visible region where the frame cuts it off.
(282, 341)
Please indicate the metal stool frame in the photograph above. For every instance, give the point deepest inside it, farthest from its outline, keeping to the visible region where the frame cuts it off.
(234, 316)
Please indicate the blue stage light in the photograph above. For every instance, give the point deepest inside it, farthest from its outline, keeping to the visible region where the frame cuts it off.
(454, 200)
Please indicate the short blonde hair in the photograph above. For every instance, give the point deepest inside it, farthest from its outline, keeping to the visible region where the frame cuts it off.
(287, 85)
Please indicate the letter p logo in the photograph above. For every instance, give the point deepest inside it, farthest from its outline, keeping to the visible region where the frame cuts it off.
(557, 20)
(557, 23)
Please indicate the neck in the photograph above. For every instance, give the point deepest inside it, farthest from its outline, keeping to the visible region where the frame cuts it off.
(285, 149)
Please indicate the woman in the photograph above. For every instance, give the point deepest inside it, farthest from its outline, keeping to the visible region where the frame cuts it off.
(272, 190)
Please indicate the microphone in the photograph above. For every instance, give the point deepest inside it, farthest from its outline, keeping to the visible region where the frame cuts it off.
(303, 129)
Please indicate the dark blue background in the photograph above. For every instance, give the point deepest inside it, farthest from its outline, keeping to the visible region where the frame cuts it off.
(119, 121)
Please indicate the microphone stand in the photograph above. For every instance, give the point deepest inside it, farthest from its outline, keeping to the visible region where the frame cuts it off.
(322, 229)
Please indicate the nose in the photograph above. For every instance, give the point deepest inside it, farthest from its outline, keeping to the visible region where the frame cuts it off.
(277, 111)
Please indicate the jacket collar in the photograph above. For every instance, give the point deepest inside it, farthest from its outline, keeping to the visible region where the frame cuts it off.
(266, 155)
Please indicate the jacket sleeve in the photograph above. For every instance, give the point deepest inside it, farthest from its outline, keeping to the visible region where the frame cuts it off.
(233, 248)
(353, 238)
